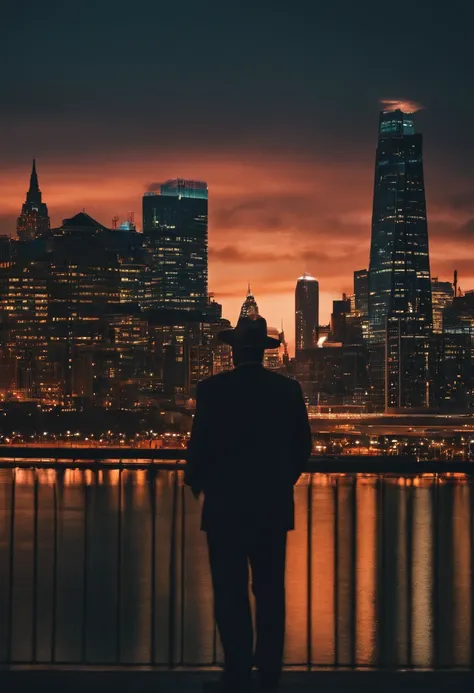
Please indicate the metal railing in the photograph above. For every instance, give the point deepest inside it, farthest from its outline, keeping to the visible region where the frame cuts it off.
(380, 569)
(57, 457)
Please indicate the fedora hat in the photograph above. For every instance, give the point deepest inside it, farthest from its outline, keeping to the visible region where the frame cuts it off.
(250, 332)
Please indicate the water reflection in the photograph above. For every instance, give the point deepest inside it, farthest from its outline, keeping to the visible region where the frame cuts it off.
(110, 566)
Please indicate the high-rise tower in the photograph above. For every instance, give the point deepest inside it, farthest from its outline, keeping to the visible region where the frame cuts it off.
(34, 219)
(249, 306)
(306, 312)
(175, 235)
(400, 312)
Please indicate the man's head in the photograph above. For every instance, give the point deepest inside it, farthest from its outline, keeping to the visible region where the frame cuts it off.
(249, 340)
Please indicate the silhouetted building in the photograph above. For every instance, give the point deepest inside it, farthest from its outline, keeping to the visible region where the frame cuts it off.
(320, 372)
(34, 219)
(442, 296)
(306, 312)
(175, 236)
(340, 309)
(249, 306)
(400, 311)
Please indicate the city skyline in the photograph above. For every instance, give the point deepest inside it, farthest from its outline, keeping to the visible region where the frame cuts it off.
(284, 135)
(284, 310)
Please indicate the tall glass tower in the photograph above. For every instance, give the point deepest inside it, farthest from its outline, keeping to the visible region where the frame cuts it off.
(400, 311)
(175, 236)
(306, 312)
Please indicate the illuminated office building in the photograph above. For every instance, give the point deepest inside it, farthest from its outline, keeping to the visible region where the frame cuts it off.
(175, 236)
(306, 312)
(361, 292)
(34, 219)
(442, 296)
(23, 318)
(132, 285)
(400, 310)
(220, 354)
(454, 376)
(272, 358)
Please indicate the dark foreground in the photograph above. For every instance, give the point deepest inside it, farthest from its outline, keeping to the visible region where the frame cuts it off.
(191, 682)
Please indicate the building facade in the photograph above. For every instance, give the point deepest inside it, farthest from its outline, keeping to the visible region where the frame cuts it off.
(306, 313)
(361, 292)
(442, 296)
(175, 234)
(400, 308)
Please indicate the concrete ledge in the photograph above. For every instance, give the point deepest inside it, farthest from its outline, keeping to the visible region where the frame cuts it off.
(62, 680)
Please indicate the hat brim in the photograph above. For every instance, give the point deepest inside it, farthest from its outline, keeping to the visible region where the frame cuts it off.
(233, 338)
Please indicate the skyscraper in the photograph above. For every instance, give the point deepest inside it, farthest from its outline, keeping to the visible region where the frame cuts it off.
(400, 311)
(175, 235)
(249, 306)
(306, 312)
(443, 296)
(33, 220)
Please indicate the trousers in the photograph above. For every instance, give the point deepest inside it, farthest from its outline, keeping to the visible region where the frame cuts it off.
(230, 554)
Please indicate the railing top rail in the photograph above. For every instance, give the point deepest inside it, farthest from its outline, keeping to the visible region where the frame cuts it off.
(172, 459)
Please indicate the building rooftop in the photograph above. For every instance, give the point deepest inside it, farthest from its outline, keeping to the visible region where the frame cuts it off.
(82, 221)
(306, 277)
(180, 187)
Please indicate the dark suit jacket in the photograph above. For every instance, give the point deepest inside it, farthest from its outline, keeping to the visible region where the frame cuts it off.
(249, 444)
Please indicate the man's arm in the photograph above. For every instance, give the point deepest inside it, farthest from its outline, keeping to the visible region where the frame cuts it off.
(194, 473)
(303, 441)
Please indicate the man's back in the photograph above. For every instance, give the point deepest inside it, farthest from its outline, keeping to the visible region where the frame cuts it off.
(249, 444)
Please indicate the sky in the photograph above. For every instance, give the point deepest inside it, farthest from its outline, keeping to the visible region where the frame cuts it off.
(274, 104)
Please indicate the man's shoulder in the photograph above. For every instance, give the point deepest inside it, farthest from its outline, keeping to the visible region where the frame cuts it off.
(213, 381)
(282, 380)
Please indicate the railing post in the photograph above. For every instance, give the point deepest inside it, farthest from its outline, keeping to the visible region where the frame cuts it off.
(353, 581)
(55, 571)
(118, 618)
(11, 569)
(153, 566)
(435, 530)
(183, 577)
(84, 577)
(409, 574)
(336, 571)
(309, 577)
(472, 571)
(35, 568)
(172, 575)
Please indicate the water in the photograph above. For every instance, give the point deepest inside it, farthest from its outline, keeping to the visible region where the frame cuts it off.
(111, 567)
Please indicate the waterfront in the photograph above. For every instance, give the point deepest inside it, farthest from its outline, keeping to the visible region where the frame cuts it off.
(380, 570)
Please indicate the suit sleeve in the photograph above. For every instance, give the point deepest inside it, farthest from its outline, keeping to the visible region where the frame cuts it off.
(303, 443)
(194, 471)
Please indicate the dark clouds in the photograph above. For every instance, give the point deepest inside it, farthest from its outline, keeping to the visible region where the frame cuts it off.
(463, 201)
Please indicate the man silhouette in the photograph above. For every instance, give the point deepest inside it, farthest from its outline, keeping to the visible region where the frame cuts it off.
(249, 444)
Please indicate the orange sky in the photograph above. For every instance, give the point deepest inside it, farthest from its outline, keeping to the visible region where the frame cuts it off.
(271, 218)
